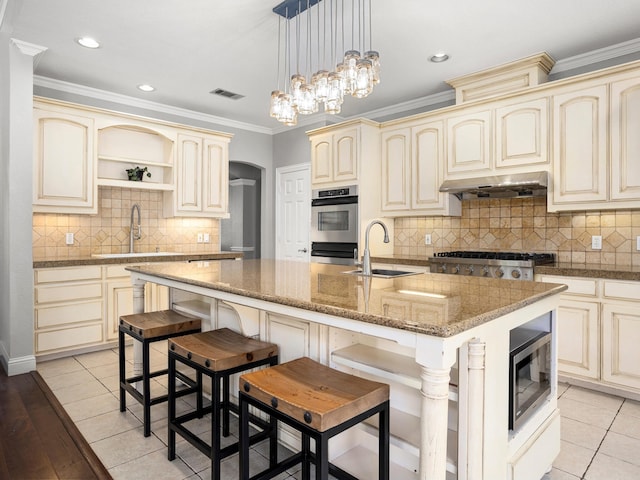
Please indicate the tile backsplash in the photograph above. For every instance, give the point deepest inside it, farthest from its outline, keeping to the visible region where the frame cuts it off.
(108, 232)
(525, 225)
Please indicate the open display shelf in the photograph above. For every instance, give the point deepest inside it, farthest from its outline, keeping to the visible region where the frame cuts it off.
(388, 365)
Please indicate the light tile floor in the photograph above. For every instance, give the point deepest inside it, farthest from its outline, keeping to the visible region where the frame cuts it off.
(600, 433)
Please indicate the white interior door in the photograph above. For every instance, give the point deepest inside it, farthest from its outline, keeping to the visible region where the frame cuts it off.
(293, 212)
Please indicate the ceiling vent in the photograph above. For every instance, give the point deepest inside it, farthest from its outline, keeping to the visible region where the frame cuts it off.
(227, 94)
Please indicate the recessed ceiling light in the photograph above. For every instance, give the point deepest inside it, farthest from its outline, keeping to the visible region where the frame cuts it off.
(146, 87)
(439, 57)
(88, 42)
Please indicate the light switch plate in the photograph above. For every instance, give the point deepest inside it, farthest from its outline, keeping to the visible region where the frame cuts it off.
(200, 238)
(206, 238)
(68, 238)
(596, 242)
(638, 242)
(427, 239)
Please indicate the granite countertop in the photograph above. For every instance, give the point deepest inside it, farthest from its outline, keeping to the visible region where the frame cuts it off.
(138, 258)
(612, 272)
(432, 304)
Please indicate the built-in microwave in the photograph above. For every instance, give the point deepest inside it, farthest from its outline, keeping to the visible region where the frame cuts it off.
(529, 372)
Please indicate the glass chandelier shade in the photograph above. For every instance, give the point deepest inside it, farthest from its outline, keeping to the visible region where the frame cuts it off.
(354, 74)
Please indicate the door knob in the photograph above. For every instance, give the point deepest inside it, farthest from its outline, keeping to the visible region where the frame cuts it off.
(302, 250)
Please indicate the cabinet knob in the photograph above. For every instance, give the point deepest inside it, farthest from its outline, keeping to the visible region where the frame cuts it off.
(302, 250)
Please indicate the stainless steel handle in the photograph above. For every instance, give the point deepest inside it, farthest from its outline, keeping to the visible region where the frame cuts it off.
(302, 250)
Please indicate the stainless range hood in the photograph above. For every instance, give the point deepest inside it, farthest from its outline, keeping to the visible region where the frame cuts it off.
(519, 185)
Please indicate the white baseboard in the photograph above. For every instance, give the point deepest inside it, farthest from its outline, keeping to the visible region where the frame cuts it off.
(16, 366)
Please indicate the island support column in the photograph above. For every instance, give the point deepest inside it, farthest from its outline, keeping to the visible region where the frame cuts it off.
(475, 423)
(138, 307)
(435, 406)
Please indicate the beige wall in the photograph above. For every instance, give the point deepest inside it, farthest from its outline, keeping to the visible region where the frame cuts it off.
(108, 232)
(525, 225)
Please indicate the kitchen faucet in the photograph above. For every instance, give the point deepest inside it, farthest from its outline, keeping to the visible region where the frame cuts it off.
(366, 258)
(138, 230)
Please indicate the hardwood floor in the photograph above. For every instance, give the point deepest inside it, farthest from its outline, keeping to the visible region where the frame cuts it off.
(38, 440)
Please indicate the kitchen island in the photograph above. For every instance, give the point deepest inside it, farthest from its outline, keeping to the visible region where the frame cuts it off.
(442, 342)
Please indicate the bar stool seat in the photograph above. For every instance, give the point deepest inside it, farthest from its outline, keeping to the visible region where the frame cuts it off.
(318, 401)
(217, 354)
(148, 328)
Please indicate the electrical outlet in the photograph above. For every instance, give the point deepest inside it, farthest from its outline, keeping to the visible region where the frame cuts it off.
(206, 238)
(68, 238)
(427, 239)
(596, 242)
(200, 238)
(638, 242)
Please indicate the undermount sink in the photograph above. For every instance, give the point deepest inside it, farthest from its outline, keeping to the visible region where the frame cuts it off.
(138, 254)
(383, 273)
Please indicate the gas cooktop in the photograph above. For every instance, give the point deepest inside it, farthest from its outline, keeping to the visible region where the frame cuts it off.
(514, 265)
(536, 258)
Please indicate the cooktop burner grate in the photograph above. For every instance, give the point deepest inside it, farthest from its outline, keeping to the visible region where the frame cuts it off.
(536, 258)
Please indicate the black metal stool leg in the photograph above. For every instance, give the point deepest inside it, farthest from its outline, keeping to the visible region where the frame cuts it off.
(244, 439)
(225, 406)
(121, 370)
(383, 443)
(171, 401)
(322, 457)
(215, 428)
(306, 456)
(146, 388)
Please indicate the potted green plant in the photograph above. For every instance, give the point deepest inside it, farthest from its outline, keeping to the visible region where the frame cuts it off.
(136, 174)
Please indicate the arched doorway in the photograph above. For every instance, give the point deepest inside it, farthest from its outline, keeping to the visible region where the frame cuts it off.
(241, 231)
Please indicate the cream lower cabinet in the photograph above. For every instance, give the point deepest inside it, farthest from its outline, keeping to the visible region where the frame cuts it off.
(64, 159)
(599, 332)
(79, 307)
(621, 333)
(69, 308)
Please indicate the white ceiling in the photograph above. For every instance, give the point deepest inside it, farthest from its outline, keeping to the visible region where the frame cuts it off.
(188, 48)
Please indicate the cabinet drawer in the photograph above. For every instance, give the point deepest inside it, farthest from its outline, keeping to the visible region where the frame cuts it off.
(623, 290)
(68, 338)
(50, 275)
(65, 293)
(115, 271)
(577, 286)
(68, 314)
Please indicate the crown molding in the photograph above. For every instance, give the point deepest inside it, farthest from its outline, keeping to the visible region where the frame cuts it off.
(595, 56)
(407, 106)
(27, 48)
(96, 93)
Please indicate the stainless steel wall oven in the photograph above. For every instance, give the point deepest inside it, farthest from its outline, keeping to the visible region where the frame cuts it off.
(334, 225)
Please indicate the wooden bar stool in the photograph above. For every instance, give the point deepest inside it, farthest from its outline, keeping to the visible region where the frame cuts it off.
(148, 328)
(318, 401)
(218, 354)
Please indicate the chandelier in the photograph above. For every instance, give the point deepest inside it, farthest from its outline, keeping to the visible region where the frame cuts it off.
(316, 32)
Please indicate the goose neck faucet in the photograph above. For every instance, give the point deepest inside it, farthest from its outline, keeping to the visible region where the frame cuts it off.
(135, 231)
(366, 259)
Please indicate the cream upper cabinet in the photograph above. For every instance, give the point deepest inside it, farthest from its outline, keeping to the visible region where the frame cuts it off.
(334, 156)
(579, 147)
(64, 161)
(202, 176)
(469, 142)
(521, 134)
(413, 170)
(625, 140)
(396, 169)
